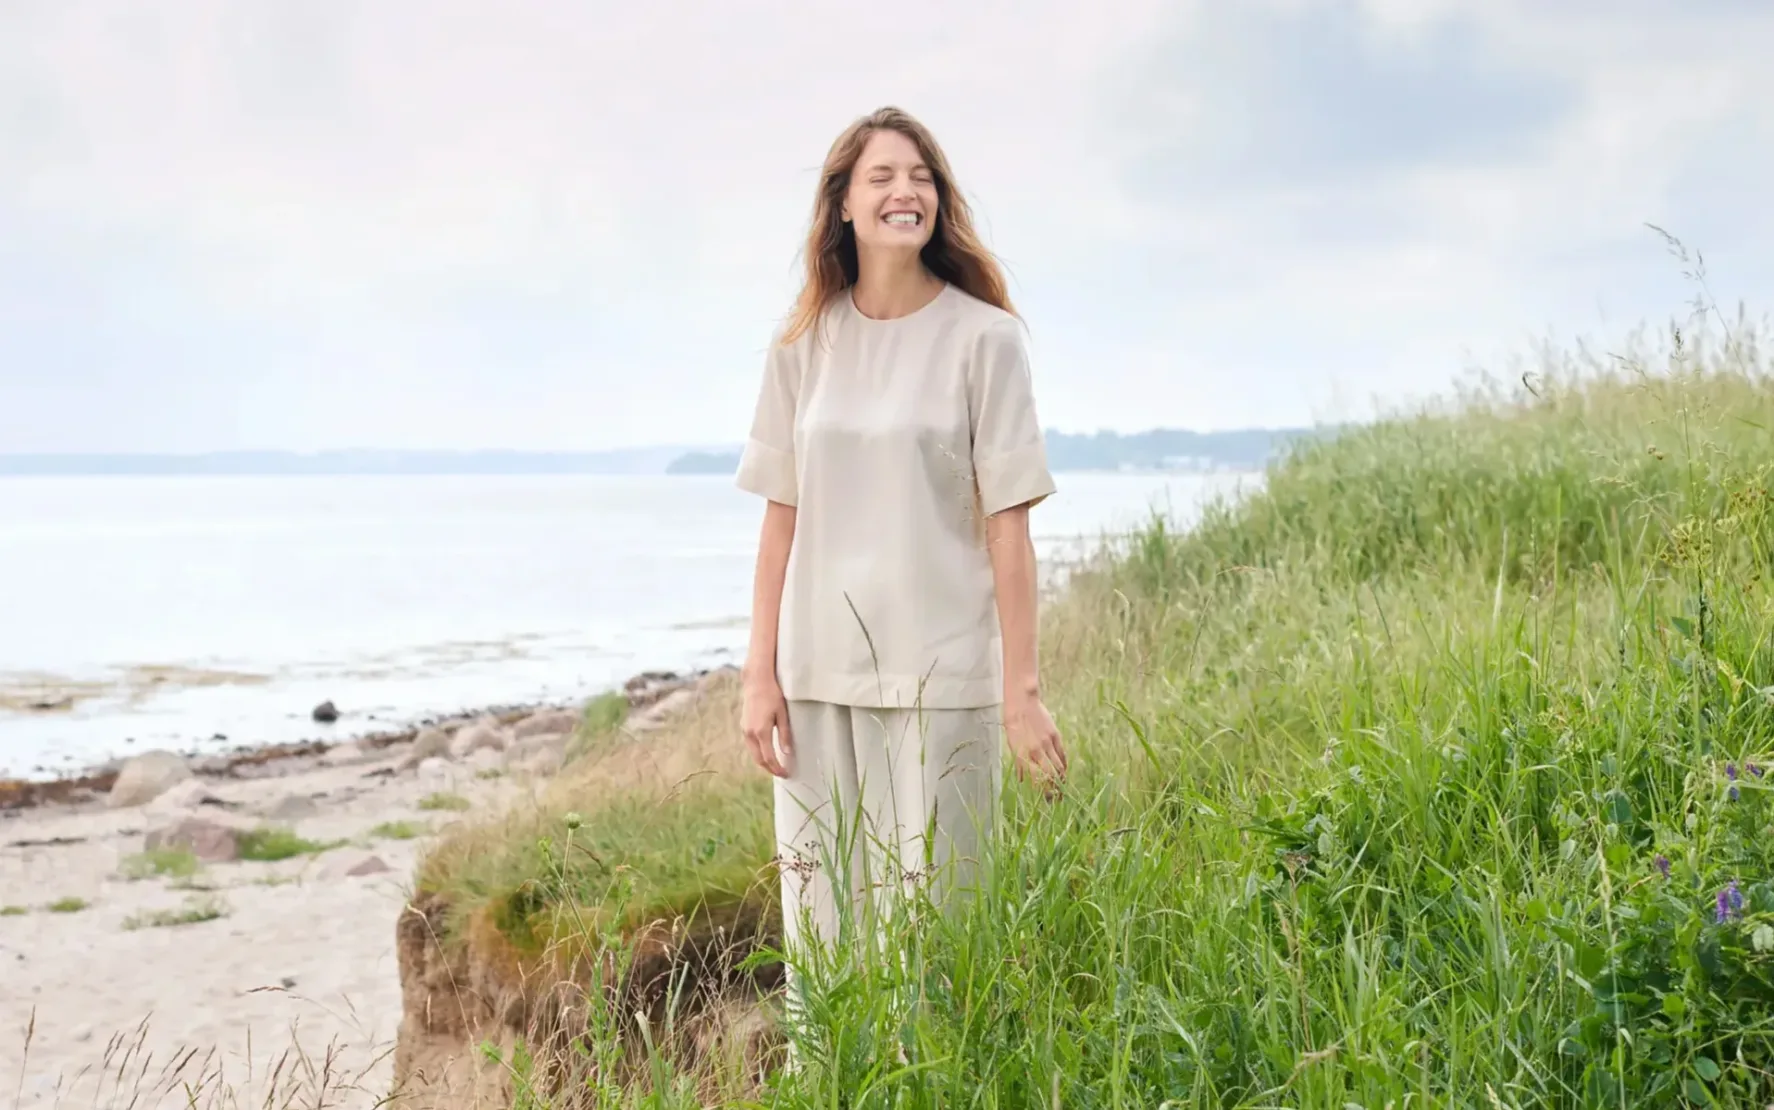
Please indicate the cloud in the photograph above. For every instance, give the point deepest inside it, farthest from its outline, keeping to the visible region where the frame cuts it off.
(258, 222)
(1279, 96)
(1315, 236)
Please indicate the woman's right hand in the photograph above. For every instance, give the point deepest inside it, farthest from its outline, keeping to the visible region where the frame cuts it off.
(764, 718)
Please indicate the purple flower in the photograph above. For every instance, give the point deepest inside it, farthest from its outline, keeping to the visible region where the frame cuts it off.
(1730, 903)
(1753, 769)
(1731, 771)
(1662, 862)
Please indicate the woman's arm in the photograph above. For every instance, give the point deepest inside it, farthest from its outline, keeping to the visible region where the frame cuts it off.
(1029, 729)
(765, 713)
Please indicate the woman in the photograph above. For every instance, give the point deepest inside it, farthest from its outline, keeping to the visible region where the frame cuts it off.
(893, 624)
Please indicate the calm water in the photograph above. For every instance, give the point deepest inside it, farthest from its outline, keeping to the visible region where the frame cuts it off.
(394, 597)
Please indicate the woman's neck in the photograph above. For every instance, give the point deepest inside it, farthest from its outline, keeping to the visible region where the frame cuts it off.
(890, 287)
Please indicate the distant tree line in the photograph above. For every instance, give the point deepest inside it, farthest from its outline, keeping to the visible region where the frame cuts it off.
(1158, 449)
(704, 462)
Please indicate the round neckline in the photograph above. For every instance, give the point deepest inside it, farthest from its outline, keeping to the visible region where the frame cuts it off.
(850, 300)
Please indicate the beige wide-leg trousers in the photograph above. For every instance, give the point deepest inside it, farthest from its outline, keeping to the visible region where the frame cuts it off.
(877, 801)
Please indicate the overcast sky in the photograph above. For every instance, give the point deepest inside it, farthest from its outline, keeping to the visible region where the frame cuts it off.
(574, 223)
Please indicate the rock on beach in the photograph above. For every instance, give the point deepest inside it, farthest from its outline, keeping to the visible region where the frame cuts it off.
(478, 736)
(431, 743)
(548, 722)
(146, 777)
(209, 840)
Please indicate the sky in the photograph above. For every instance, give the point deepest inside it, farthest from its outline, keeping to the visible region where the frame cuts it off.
(573, 224)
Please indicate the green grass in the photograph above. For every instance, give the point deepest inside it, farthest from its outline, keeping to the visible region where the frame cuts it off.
(443, 803)
(604, 713)
(192, 913)
(600, 724)
(400, 830)
(661, 836)
(67, 905)
(14, 911)
(173, 863)
(270, 844)
(1430, 775)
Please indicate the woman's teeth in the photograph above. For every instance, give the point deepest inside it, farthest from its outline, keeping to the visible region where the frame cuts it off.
(910, 219)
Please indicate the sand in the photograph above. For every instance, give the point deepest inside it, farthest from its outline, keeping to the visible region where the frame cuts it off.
(301, 967)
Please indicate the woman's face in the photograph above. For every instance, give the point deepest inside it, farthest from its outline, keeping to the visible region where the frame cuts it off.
(892, 196)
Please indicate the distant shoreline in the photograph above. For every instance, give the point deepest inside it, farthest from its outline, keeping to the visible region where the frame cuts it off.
(652, 460)
(1160, 450)
(1135, 469)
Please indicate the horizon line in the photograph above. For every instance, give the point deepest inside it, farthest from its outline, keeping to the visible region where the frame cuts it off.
(556, 452)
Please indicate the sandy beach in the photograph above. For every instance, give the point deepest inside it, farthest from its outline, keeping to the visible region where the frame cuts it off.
(287, 987)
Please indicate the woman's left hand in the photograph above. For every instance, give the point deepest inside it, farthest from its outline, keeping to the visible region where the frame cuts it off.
(1034, 741)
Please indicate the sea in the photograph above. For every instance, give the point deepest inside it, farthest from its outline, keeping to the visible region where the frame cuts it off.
(206, 613)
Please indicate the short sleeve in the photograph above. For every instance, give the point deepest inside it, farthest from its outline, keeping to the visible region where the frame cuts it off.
(1009, 451)
(767, 464)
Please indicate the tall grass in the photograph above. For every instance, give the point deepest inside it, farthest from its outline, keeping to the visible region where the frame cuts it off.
(1430, 775)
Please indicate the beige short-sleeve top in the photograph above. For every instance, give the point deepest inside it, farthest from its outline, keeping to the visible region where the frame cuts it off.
(894, 439)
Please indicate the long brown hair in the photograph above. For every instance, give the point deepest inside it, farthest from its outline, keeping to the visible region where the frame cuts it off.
(954, 252)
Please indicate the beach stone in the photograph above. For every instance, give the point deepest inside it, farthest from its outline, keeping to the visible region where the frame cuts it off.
(476, 737)
(485, 759)
(649, 679)
(435, 771)
(355, 864)
(326, 713)
(648, 687)
(430, 743)
(375, 865)
(208, 840)
(146, 777)
(548, 722)
(656, 714)
(190, 793)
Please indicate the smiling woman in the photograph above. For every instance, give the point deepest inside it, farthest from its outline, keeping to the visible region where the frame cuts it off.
(893, 631)
(889, 165)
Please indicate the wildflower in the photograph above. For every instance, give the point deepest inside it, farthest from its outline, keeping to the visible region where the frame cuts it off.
(1753, 769)
(1731, 774)
(1729, 903)
(1662, 862)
